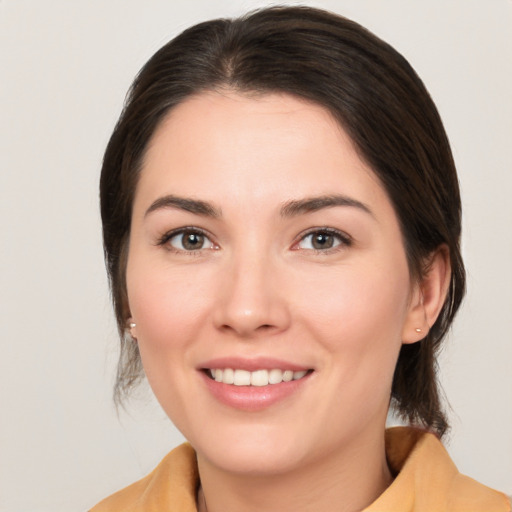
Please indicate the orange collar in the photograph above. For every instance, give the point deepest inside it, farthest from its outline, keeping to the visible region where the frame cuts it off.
(427, 481)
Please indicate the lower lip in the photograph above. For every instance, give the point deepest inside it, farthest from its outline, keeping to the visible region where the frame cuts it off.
(253, 398)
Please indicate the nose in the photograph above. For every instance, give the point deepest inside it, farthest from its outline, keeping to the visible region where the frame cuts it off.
(251, 302)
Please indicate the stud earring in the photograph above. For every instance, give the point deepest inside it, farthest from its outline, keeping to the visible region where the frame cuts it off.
(129, 331)
(418, 330)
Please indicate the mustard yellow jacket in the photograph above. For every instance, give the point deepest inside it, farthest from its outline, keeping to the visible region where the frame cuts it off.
(427, 481)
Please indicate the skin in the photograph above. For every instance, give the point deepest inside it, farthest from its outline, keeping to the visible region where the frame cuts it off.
(257, 288)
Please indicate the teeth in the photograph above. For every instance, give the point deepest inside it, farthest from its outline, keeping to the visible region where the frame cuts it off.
(228, 376)
(287, 376)
(256, 378)
(275, 376)
(259, 378)
(242, 378)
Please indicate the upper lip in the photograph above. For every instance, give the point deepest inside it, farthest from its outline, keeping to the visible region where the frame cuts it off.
(252, 364)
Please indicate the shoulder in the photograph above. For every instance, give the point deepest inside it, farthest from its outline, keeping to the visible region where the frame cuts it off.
(468, 494)
(170, 486)
(427, 478)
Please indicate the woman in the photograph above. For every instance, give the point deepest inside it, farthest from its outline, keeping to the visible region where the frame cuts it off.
(281, 221)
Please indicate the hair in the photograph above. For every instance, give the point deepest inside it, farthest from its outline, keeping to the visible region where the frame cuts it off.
(377, 98)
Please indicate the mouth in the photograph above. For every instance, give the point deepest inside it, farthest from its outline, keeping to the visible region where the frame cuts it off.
(254, 384)
(257, 378)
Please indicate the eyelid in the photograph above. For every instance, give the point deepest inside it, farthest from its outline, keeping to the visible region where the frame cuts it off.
(345, 239)
(166, 237)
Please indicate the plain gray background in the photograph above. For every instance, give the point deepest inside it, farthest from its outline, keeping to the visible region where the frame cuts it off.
(64, 70)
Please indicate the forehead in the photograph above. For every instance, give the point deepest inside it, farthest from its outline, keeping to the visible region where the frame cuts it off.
(232, 120)
(224, 145)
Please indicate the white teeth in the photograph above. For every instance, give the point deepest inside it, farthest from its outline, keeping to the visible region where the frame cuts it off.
(228, 376)
(259, 378)
(242, 378)
(287, 376)
(275, 376)
(256, 378)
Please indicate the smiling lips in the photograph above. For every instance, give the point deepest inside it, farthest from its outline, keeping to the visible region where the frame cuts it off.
(256, 378)
(253, 384)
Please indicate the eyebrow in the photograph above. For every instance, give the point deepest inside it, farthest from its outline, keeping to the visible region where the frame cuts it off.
(313, 204)
(195, 206)
(289, 209)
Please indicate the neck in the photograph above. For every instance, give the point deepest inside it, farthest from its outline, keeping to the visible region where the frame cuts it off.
(346, 480)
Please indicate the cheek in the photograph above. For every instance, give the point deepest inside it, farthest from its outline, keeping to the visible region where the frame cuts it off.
(166, 304)
(359, 296)
(166, 307)
(358, 315)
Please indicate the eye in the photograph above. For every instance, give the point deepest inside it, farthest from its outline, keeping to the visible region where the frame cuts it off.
(323, 240)
(188, 240)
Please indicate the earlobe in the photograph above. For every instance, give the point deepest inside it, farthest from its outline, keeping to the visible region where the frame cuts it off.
(132, 328)
(428, 296)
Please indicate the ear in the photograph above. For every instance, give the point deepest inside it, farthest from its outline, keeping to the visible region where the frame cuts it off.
(428, 296)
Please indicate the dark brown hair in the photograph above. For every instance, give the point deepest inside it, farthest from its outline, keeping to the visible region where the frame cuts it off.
(376, 97)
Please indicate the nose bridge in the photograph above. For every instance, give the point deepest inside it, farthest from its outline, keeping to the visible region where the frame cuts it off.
(250, 301)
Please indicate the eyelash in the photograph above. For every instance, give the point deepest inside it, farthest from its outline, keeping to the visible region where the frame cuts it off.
(167, 237)
(342, 238)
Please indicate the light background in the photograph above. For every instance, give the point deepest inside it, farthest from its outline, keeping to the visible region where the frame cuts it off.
(64, 69)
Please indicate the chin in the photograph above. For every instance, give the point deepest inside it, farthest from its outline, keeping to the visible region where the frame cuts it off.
(255, 451)
(253, 461)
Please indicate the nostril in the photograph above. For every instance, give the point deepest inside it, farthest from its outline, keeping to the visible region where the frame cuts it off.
(248, 332)
(262, 318)
(265, 327)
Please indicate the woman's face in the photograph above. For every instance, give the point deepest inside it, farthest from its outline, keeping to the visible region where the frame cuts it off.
(262, 247)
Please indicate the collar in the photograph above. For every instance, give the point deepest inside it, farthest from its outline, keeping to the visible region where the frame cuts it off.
(426, 481)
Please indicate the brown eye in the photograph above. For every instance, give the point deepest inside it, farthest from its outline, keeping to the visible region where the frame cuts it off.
(323, 240)
(190, 240)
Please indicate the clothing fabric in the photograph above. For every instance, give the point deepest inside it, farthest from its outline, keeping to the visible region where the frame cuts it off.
(426, 481)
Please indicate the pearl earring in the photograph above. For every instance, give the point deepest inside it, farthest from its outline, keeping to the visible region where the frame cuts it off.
(129, 333)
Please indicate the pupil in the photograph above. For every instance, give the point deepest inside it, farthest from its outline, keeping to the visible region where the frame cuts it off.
(322, 241)
(193, 241)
